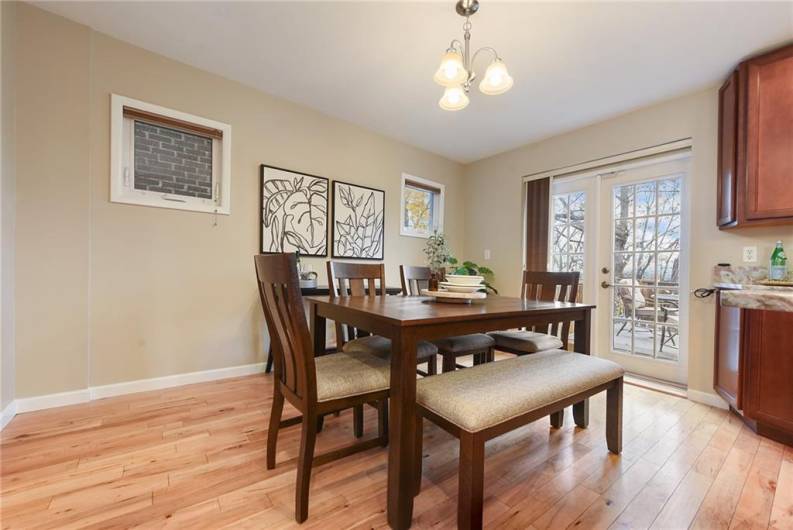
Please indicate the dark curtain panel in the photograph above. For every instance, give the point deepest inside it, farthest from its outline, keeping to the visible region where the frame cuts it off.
(537, 204)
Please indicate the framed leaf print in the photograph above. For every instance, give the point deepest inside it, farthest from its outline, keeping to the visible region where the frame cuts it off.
(358, 221)
(293, 212)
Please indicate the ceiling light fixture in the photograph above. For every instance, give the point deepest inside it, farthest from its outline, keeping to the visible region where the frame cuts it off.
(456, 71)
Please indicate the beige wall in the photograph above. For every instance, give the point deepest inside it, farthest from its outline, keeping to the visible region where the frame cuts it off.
(7, 200)
(108, 292)
(494, 185)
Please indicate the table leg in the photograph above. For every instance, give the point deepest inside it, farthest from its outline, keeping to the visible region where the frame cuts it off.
(582, 337)
(401, 468)
(318, 331)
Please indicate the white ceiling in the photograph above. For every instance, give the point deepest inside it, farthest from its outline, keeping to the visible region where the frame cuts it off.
(372, 63)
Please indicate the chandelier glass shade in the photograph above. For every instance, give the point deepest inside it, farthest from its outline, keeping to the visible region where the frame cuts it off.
(456, 71)
(454, 98)
(451, 72)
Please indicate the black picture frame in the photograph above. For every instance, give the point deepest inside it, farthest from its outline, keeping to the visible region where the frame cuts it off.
(321, 252)
(380, 255)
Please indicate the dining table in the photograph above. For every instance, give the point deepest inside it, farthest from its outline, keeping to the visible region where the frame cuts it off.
(406, 320)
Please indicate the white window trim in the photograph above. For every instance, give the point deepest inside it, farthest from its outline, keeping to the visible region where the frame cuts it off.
(437, 207)
(122, 190)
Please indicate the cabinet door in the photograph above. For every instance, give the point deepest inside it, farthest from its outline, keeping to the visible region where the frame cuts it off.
(769, 147)
(768, 392)
(726, 372)
(728, 150)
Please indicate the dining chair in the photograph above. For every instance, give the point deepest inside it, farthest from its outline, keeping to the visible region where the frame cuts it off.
(361, 279)
(314, 386)
(480, 345)
(541, 286)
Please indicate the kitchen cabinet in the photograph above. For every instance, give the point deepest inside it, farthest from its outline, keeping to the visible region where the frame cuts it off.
(754, 367)
(755, 153)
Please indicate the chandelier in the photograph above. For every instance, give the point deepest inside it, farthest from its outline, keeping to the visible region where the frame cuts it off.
(456, 71)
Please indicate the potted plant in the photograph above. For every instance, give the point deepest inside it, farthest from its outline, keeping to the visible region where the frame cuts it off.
(469, 268)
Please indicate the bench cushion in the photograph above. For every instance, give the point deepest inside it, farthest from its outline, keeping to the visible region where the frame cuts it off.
(381, 347)
(465, 343)
(341, 375)
(477, 398)
(526, 341)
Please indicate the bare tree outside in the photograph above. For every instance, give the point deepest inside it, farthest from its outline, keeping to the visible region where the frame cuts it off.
(647, 267)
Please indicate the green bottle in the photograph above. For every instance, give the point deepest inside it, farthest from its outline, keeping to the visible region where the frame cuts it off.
(777, 269)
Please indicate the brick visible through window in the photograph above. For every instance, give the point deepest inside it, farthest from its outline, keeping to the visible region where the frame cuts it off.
(171, 161)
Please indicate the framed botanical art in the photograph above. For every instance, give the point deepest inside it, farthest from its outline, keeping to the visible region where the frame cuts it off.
(293, 212)
(358, 221)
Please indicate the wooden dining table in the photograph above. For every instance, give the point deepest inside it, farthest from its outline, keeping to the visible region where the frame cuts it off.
(406, 320)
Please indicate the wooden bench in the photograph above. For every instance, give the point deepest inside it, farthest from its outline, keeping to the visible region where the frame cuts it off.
(488, 400)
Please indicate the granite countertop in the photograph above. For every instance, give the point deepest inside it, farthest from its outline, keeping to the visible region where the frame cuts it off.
(739, 290)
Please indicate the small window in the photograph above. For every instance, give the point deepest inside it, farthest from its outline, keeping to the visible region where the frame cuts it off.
(169, 159)
(422, 207)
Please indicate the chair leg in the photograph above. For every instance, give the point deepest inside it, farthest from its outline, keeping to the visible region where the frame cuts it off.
(269, 366)
(357, 420)
(275, 421)
(471, 477)
(320, 423)
(449, 363)
(382, 421)
(557, 419)
(614, 417)
(305, 459)
(432, 365)
(417, 454)
(581, 413)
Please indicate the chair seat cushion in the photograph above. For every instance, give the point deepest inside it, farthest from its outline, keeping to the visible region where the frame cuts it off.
(465, 343)
(341, 375)
(526, 341)
(381, 347)
(489, 394)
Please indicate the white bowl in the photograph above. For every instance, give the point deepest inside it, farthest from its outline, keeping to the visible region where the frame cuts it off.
(462, 279)
(457, 288)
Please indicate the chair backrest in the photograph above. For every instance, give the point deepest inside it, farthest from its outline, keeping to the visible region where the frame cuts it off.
(354, 279)
(552, 286)
(279, 289)
(414, 279)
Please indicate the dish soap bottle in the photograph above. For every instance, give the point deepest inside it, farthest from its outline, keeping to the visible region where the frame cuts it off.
(777, 269)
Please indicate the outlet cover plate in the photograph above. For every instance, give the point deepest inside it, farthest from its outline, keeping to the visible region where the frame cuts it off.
(750, 254)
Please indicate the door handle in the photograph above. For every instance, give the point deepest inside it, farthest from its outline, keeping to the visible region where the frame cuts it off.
(605, 284)
(605, 270)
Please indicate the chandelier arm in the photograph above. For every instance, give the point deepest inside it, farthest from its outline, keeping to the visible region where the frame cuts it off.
(485, 48)
(456, 46)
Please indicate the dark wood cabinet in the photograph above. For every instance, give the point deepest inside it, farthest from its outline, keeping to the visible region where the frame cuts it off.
(755, 154)
(728, 353)
(769, 369)
(754, 367)
(728, 143)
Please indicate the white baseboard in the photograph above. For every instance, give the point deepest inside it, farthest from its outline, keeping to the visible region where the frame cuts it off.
(707, 398)
(129, 387)
(8, 414)
(49, 401)
(168, 381)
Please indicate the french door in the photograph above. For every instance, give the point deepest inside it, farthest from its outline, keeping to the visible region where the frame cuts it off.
(625, 231)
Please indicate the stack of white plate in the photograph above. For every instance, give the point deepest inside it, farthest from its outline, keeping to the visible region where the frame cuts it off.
(458, 283)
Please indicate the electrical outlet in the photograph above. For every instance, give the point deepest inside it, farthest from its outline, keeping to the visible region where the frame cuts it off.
(487, 253)
(750, 254)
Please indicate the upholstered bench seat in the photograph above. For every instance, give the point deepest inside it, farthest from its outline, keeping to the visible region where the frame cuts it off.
(488, 400)
(525, 341)
(492, 393)
(341, 375)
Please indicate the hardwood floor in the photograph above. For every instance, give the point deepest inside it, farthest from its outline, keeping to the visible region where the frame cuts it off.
(194, 457)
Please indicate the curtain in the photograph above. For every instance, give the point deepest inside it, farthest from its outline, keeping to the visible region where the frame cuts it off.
(538, 199)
